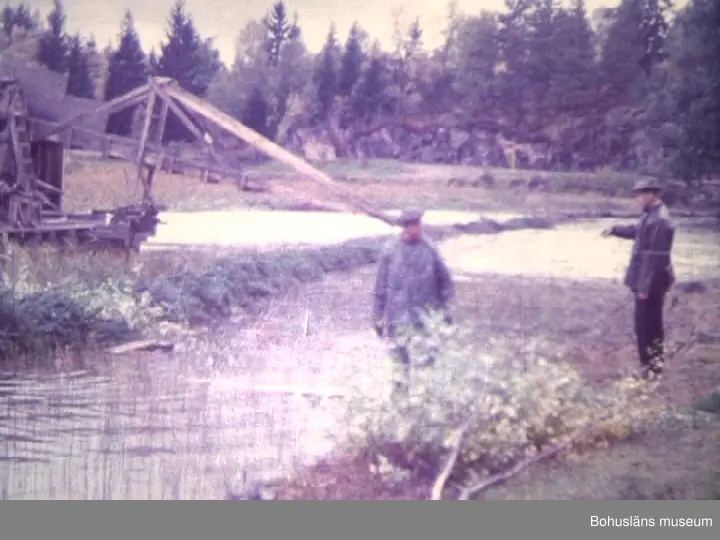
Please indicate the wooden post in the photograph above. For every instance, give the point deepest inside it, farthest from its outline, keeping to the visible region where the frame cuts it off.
(140, 160)
(147, 124)
(162, 121)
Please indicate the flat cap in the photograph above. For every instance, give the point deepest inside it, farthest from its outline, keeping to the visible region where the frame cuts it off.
(647, 184)
(410, 215)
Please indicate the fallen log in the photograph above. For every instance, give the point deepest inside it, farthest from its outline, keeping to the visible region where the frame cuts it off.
(145, 345)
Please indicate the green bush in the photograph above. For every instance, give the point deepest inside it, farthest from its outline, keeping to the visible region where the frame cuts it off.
(74, 298)
(513, 408)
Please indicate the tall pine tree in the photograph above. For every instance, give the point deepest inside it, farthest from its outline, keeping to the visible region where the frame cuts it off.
(184, 56)
(352, 62)
(280, 30)
(80, 83)
(692, 93)
(326, 77)
(52, 49)
(188, 59)
(257, 112)
(368, 98)
(574, 77)
(16, 16)
(127, 70)
(478, 55)
(634, 45)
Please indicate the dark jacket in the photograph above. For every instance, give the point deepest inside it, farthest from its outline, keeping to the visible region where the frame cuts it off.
(411, 279)
(650, 262)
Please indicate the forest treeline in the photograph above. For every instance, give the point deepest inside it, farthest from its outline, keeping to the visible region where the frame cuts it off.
(635, 87)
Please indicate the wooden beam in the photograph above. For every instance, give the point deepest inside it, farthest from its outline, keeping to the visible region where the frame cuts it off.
(162, 121)
(146, 125)
(188, 123)
(142, 149)
(230, 124)
(116, 104)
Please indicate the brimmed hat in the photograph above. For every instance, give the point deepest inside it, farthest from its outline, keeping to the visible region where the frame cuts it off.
(410, 215)
(647, 184)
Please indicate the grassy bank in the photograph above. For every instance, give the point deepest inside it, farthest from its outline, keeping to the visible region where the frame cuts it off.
(94, 183)
(55, 300)
(537, 362)
(80, 299)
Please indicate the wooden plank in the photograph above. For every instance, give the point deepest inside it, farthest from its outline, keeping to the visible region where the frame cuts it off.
(145, 345)
(162, 121)
(140, 160)
(146, 126)
(242, 132)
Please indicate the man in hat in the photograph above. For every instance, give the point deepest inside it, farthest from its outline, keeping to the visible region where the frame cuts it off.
(412, 281)
(650, 273)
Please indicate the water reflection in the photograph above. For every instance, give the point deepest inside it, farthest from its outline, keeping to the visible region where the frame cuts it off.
(283, 228)
(139, 432)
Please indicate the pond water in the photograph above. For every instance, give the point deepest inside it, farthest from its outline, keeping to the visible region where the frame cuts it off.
(152, 428)
(576, 251)
(258, 228)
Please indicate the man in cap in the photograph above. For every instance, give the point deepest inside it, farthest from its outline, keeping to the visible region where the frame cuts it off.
(412, 280)
(650, 273)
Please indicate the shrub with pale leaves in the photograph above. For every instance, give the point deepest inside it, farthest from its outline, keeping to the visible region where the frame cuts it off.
(512, 407)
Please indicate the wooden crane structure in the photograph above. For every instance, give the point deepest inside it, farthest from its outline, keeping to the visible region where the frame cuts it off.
(207, 124)
(32, 150)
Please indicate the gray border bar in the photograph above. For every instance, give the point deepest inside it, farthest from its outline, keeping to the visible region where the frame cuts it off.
(497, 520)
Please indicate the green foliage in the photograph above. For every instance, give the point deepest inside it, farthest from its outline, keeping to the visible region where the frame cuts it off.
(280, 30)
(51, 300)
(511, 409)
(257, 112)
(188, 59)
(184, 56)
(79, 82)
(686, 102)
(53, 46)
(352, 62)
(326, 76)
(634, 46)
(478, 55)
(368, 99)
(41, 317)
(127, 70)
(16, 16)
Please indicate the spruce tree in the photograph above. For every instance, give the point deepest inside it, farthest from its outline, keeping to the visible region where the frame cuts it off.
(188, 59)
(279, 31)
(52, 49)
(16, 16)
(326, 76)
(79, 81)
(368, 98)
(352, 62)
(634, 45)
(127, 70)
(257, 112)
(184, 56)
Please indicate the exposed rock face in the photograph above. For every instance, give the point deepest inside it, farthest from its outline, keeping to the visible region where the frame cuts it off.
(616, 140)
